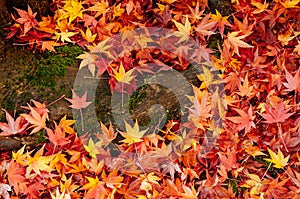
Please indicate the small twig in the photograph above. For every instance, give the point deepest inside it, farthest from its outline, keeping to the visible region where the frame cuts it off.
(266, 171)
(81, 118)
(56, 100)
(280, 136)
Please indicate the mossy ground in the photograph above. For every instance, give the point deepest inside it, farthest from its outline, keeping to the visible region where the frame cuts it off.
(25, 75)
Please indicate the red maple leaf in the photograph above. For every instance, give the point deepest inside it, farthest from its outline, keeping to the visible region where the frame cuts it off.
(293, 83)
(27, 18)
(277, 114)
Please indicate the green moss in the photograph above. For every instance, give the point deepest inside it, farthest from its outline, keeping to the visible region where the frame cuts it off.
(137, 97)
(41, 137)
(213, 43)
(50, 65)
(234, 184)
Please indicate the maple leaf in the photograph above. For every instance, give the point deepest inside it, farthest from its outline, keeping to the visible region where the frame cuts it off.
(78, 102)
(99, 7)
(47, 25)
(290, 3)
(107, 135)
(95, 188)
(92, 148)
(19, 156)
(165, 16)
(276, 115)
(197, 12)
(66, 125)
(15, 175)
(88, 36)
(232, 81)
(200, 112)
(74, 9)
(184, 30)
(103, 47)
(89, 60)
(142, 40)
(286, 38)
(243, 26)
(170, 168)
(12, 127)
(252, 150)
(113, 180)
(207, 78)
(244, 121)
(59, 195)
(36, 120)
(64, 36)
(204, 28)
(189, 193)
(229, 160)
(260, 7)
(118, 11)
(278, 159)
(293, 83)
(254, 183)
(132, 134)
(245, 89)
(222, 21)
(57, 136)
(93, 165)
(122, 76)
(49, 45)
(236, 42)
(27, 18)
(38, 163)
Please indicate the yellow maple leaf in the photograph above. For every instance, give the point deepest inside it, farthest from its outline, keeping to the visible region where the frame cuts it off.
(122, 76)
(118, 11)
(73, 10)
(184, 30)
(103, 47)
(278, 159)
(286, 37)
(66, 125)
(260, 7)
(92, 149)
(95, 188)
(64, 36)
(88, 36)
(132, 134)
(38, 163)
(142, 40)
(290, 3)
(254, 183)
(221, 21)
(19, 156)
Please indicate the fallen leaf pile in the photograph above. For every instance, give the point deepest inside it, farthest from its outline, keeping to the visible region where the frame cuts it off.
(242, 137)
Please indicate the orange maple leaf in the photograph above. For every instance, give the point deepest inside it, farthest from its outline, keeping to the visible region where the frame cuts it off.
(36, 120)
(235, 41)
(244, 121)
